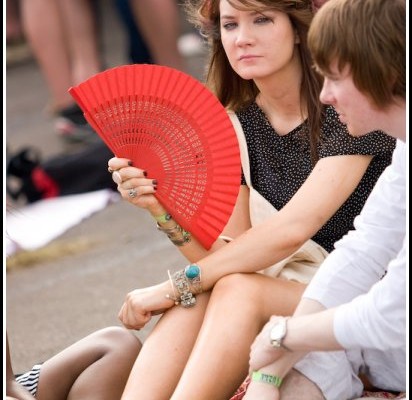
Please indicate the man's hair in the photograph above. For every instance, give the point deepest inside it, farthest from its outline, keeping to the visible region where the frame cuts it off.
(369, 36)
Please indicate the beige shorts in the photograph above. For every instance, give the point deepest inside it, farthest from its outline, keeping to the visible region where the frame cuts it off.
(336, 373)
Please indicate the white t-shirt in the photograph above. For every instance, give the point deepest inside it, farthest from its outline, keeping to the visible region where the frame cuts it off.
(366, 273)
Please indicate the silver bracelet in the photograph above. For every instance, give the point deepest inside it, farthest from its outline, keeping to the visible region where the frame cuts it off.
(193, 274)
(181, 282)
(168, 296)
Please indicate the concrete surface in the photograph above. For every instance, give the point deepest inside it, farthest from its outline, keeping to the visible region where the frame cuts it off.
(56, 301)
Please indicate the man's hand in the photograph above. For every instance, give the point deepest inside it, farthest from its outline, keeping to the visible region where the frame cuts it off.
(262, 352)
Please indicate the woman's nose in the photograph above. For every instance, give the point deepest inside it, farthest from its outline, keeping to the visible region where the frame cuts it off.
(244, 36)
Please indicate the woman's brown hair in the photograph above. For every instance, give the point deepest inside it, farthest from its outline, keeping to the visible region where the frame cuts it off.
(236, 93)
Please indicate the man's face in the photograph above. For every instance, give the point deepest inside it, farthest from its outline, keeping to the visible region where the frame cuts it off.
(355, 109)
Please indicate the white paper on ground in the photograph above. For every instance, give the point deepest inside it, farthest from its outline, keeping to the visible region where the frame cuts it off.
(36, 224)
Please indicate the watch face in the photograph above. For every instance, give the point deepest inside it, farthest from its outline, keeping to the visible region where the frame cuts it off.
(277, 332)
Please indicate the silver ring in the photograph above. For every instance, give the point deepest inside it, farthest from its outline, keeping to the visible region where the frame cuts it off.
(132, 193)
(117, 178)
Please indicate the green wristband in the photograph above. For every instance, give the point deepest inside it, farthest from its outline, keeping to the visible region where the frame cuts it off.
(274, 380)
(162, 219)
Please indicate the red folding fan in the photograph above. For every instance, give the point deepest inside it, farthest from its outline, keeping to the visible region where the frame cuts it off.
(172, 126)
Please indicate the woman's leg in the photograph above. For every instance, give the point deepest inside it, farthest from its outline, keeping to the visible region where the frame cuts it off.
(239, 307)
(96, 367)
(164, 354)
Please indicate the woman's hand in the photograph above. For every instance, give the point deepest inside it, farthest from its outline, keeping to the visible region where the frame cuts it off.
(141, 304)
(134, 186)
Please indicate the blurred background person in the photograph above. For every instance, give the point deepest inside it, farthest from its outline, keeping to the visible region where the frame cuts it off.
(155, 33)
(63, 36)
(159, 23)
(16, 46)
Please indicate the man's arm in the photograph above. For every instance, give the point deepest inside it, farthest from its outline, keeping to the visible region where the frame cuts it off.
(362, 257)
(359, 262)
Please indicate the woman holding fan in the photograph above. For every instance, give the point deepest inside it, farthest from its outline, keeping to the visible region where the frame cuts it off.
(299, 158)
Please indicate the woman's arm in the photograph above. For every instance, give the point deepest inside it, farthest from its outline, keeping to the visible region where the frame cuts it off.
(133, 177)
(330, 184)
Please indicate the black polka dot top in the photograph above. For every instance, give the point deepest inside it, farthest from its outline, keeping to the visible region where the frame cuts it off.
(279, 165)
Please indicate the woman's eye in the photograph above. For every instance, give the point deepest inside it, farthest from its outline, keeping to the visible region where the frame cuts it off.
(229, 25)
(262, 20)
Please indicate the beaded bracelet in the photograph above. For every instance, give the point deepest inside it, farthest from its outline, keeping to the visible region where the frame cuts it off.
(174, 229)
(185, 238)
(162, 219)
(176, 234)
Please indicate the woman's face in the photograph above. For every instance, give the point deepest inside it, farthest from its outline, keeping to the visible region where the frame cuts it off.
(257, 45)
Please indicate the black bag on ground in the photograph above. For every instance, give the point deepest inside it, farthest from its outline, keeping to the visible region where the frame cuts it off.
(83, 171)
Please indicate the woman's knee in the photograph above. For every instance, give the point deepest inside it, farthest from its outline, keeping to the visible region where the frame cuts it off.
(119, 339)
(240, 293)
(236, 286)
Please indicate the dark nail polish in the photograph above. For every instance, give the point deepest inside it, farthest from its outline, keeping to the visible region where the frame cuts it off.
(155, 188)
(154, 182)
(145, 173)
(130, 163)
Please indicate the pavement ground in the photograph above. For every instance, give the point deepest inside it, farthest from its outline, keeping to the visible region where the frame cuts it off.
(77, 283)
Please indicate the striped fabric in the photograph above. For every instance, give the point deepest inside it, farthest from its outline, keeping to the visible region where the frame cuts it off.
(30, 379)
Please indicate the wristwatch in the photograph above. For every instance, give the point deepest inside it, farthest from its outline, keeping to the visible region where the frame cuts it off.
(277, 333)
